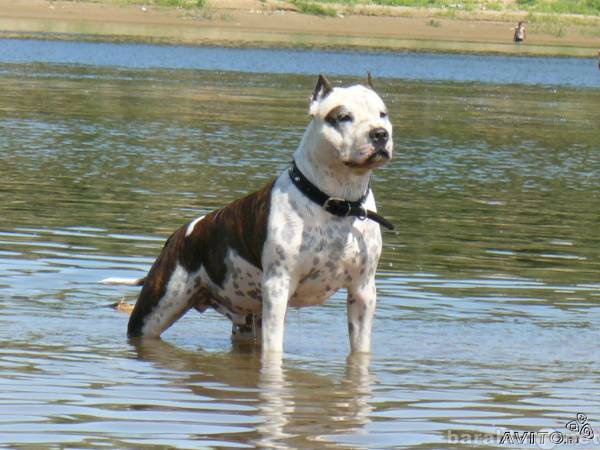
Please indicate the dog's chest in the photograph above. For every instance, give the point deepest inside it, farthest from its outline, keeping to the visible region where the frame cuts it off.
(321, 253)
(329, 258)
(316, 251)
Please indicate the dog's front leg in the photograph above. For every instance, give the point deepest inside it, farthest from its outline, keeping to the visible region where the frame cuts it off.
(275, 295)
(361, 308)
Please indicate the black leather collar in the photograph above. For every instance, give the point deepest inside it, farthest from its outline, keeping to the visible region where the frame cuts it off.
(336, 206)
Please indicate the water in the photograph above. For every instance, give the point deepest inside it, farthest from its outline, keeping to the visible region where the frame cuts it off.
(489, 293)
(576, 72)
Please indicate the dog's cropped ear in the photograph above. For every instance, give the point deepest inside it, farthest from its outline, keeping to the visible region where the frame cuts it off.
(370, 80)
(322, 89)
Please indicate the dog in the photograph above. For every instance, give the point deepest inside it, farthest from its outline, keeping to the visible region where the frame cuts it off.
(311, 231)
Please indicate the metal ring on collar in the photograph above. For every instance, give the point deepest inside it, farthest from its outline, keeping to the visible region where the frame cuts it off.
(362, 215)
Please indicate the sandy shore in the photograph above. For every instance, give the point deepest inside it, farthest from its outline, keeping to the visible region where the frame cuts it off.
(276, 24)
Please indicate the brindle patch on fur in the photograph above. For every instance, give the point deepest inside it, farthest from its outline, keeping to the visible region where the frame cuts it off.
(241, 226)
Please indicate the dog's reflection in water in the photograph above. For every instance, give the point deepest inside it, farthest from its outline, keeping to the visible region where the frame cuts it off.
(287, 407)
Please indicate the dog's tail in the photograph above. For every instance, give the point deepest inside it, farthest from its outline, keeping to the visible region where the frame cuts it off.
(124, 281)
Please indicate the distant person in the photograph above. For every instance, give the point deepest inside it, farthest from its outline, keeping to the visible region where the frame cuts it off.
(519, 32)
(598, 59)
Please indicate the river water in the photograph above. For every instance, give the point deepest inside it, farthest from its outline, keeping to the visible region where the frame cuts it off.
(488, 314)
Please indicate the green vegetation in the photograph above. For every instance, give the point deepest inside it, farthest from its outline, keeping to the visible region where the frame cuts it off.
(313, 7)
(557, 24)
(585, 7)
(448, 8)
(444, 8)
(494, 6)
(464, 4)
(183, 4)
(549, 24)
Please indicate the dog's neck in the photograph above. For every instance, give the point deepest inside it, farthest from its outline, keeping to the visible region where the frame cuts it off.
(334, 179)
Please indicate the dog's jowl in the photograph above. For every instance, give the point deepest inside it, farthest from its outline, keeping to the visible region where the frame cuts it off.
(311, 231)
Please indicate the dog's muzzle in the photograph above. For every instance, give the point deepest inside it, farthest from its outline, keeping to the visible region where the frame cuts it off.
(379, 137)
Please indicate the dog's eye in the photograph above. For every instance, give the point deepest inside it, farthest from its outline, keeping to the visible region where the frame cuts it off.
(383, 114)
(338, 115)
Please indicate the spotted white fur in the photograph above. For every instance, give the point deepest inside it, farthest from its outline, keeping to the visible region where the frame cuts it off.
(309, 260)
(308, 254)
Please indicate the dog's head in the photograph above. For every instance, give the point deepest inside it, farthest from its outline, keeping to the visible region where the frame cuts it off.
(352, 126)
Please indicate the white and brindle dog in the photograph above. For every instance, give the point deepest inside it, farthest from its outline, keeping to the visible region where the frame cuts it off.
(311, 231)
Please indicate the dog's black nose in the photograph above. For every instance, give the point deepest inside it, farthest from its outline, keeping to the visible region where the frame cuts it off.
(379, 136)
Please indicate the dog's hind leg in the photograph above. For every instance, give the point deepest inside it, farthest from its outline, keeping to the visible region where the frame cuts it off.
(169, 291)
(153, 314)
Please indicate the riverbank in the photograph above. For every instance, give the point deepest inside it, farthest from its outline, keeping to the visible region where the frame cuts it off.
(280, 24)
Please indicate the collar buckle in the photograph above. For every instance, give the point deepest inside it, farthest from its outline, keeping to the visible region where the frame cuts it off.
(337, 206)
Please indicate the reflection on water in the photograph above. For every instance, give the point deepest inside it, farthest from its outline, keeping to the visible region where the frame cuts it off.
(488, 290)
(276, 406)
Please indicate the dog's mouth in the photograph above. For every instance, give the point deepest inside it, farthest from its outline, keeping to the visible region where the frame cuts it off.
(378, 157)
